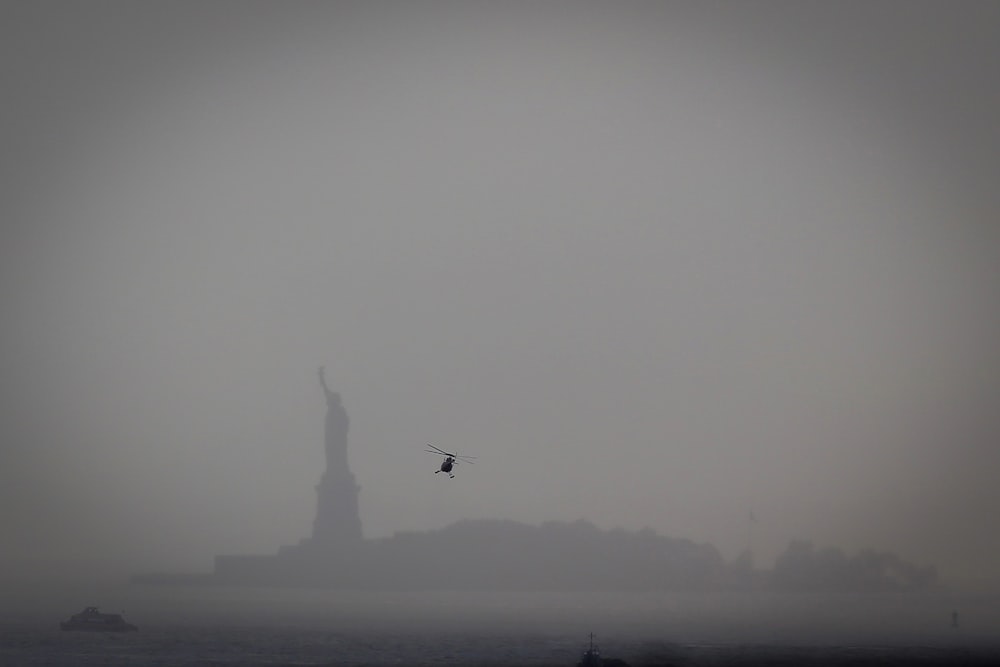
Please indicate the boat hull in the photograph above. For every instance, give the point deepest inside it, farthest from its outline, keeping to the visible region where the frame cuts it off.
(98, 627)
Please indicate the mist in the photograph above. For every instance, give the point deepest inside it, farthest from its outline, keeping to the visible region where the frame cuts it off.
(655, 265)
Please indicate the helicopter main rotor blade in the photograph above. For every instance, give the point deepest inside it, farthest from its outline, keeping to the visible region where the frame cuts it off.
(438, 450)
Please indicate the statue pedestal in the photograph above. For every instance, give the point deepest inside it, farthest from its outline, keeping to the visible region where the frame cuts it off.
(337, 518)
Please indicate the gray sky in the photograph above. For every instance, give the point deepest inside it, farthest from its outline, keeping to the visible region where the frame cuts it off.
(656, 264)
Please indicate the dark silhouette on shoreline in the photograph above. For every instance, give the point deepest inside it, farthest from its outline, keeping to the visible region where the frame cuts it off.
(802, 567)
(489, 554)
(337, 519)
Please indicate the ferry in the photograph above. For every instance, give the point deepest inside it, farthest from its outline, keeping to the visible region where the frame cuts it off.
(92, 619)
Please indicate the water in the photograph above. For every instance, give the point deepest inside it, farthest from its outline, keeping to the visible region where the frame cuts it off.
(222, 626)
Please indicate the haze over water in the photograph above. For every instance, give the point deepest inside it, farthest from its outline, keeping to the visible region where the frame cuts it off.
(656, 265)
(221, 626)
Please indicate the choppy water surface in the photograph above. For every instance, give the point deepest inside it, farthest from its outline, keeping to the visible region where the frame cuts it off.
(217, 626)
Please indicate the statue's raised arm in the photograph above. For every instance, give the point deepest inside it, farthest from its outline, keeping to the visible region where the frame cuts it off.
(331, 397)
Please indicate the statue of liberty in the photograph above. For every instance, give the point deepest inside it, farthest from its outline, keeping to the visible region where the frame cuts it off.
(335, 432)
(337, 520)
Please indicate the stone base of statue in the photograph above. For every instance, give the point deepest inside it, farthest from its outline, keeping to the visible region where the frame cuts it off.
(337, 522)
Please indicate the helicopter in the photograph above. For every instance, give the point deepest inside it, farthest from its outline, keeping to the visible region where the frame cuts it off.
(450, 460)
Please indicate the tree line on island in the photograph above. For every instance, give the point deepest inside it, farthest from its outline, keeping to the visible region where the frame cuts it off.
(504, 554)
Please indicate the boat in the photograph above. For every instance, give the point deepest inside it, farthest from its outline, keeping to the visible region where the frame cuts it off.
(592, 656)
(93, 620)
